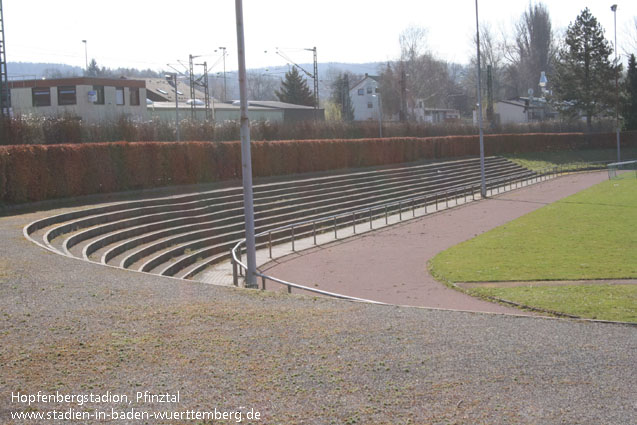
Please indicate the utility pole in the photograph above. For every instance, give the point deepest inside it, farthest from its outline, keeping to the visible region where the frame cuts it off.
(316, 84)
(173, 76)
(314, 76)
(85, 54)
(225, 93)
(203, 82)
(192, 86)
(246, 157)
(206, 90)
(5, 92)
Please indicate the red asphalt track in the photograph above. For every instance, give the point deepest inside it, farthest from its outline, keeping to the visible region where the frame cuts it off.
(390, 264)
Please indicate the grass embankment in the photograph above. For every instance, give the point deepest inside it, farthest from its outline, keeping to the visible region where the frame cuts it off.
(540, 160)
(590, 235)
(604, 302)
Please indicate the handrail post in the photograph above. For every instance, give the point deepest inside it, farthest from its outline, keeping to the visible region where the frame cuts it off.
(240, 268)
(314, 231)
(335, 234)
(426, 204)
(370, 220)
(413, 208)
(400, 210)
(354, 222)
(447, 198)
(386, 216)
(436, 194)
(289, 289)
(292, 238)
(270, 243)
(263, 283)
(235, 276)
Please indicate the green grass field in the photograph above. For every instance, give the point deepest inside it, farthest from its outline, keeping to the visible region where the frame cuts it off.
(590, 235)
(540, 160)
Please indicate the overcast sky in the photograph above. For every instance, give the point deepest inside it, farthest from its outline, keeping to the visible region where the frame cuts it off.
(152, 33)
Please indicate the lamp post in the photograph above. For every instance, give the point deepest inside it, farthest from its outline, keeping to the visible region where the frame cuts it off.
(246, 157)
(614, 9)
(380, 113)
(223, 49)
(483, 183)
(173, 76)
(85, 54)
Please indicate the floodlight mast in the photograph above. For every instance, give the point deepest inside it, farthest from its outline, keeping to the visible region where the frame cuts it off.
(483, 185)
(614, 9)
(246, 160)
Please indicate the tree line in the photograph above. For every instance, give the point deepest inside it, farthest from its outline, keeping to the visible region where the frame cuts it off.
(584, 81)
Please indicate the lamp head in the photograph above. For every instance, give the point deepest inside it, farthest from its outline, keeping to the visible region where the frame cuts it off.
(614, 8)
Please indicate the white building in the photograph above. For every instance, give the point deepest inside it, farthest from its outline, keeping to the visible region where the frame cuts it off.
(433, 115)
(523, 110)
(92, 100)
(365, 97)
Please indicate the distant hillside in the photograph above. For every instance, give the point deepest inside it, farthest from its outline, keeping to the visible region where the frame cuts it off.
(22, 70)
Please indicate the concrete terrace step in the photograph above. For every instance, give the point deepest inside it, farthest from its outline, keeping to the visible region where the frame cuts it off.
(317, 195)
(183, 235)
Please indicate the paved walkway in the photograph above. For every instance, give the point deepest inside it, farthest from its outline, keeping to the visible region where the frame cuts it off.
(390, 265)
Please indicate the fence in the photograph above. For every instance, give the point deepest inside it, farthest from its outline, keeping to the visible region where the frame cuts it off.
(622, 170)
(404, 209)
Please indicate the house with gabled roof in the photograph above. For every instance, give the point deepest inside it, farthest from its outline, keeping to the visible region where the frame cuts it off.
(365, 97)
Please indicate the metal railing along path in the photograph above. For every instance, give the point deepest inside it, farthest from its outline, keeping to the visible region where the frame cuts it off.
(401, 210)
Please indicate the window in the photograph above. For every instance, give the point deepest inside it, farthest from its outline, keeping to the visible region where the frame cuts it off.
(369, 90)
(134, 97)
(370, 105)
(377, 90)
(361, 92)
(66, 95)
(41, 96)
(119, 96)
(99, 91)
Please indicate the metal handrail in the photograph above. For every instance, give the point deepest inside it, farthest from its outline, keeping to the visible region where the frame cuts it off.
(238, 267)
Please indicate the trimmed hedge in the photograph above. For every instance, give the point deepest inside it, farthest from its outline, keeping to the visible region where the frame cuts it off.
(31, 173)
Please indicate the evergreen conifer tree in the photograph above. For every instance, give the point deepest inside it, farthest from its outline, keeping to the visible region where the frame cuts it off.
(584, 81)
(341, 97)
(294, 89)
(630, 102)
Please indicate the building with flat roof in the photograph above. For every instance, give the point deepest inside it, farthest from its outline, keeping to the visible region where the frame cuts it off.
(91, 100)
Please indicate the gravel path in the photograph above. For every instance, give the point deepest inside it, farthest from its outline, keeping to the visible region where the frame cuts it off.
(390, 265)
(76, 328)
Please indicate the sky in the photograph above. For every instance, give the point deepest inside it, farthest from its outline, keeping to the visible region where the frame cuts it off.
(154, 33)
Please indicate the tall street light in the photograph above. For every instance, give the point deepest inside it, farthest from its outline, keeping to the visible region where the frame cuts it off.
(85, 54)
(246, 158)
(483, 183)
(614, 9)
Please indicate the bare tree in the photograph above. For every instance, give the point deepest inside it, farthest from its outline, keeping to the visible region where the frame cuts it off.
(631, 38)
(262, 86)
(413, 42)
(534, 50)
